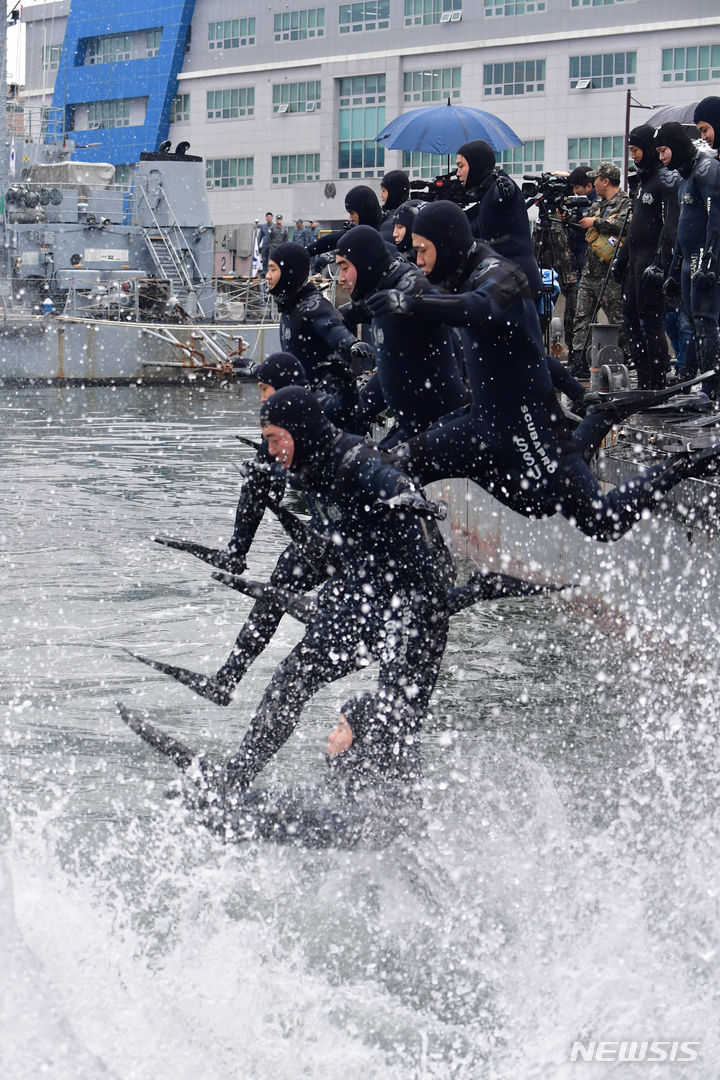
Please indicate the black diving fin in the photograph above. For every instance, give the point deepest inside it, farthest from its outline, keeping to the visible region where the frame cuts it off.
(206, 686)
(494, 587)
(218, 557)
(170, 747)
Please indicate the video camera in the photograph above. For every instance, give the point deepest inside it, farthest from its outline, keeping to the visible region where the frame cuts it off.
(442, 187)
(547, 188)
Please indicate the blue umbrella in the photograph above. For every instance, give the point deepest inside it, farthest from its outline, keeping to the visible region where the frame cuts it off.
(441, 129)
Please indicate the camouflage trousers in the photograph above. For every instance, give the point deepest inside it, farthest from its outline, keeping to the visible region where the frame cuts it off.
(589, 289)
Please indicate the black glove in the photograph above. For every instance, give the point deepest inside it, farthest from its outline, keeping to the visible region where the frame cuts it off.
(362, 354)
(672, 293)
(334, 365)
(618, 271)
(653, 277)
(704, 279)
(391, 302)
(414, 502)
(581, 405)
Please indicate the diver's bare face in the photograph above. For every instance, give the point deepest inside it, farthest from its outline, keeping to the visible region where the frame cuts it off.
(426, 253)
(340, 738)
(665, 155)
(462, 169)
(347, 274)
(281, 444)
(274, 273)
(265, 391)
(707, 132)
(399, 233)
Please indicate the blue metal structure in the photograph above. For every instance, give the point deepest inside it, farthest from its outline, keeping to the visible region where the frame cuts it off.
(151, 78)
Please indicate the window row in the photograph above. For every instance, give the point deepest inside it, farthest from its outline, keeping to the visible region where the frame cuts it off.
(299, 168)
(588, 72)
(110, 48)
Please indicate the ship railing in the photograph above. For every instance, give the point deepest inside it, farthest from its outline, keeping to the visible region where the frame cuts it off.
(173, 242)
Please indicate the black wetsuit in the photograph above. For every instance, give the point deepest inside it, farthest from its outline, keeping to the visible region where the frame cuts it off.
(368, 796)
(310, 329)
(650, 239)
(498, 216)
(385, 599)
(515, 443)
(417, 373)
(698, 235)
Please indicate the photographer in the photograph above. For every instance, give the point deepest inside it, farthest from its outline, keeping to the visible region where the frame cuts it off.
(496, 209)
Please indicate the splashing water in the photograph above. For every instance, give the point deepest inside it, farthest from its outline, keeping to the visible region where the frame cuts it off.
(560, 885)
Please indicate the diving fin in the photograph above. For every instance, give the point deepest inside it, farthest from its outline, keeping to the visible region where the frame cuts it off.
(170, 747)
(222, 559)
(494, 587)
(206, 686)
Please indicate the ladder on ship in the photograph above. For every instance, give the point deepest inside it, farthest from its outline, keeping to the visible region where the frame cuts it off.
(171, 255)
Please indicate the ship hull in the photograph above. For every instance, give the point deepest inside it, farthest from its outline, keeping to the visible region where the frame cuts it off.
(68, 350)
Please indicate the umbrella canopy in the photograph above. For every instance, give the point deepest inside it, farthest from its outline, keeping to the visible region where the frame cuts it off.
(681, 114)
(441, 129)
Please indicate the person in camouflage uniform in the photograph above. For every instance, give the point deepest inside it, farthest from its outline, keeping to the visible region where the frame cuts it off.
(610, 219)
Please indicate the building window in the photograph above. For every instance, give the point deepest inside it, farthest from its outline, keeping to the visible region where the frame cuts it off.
(231, 34)
(699, 63)
(367, 15)
(528, 158)
(229, 172)
(122, 175)
(592, 151)
(108, 114)
(514, 7)
(298, 25)
(603, 71)
(295, 168)
(152, 42)
(518, 77)
(361, 116)
(421, 166)
(230, 104)
(180, 109)
(108, 50)
(436, 85)
(424, 12)
(296, 97)
(593, 3)
(51, 57)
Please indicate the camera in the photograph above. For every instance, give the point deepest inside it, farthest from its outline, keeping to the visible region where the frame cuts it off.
(547, 189)
(446, 186)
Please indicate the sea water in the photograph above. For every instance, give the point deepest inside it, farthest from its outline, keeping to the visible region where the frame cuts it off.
(554, 914)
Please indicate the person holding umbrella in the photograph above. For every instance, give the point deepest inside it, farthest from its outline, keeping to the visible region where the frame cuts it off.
(496, 209)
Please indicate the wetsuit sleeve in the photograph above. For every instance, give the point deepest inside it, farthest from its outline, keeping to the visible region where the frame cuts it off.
(489, 301)
(327, 325)
(563, 381)
(671, 216)
(708, 187)
(326, 243)
(264, 480)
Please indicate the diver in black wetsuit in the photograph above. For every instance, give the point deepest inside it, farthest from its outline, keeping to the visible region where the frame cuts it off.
(310, 327)
(496, 209)
(649, 243)
(386, 598)
(373, 772)
(417, 377)
(394, 190)
(694, 273)
(363, 208)
(402, 228)
(515, 442)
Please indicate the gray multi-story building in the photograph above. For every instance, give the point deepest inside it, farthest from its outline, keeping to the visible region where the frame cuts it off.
(283, 101)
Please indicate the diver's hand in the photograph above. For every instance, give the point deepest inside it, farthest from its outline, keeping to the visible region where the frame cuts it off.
(414, 502)
(361, 354)
(391, 302)
(672, 292)
(704, 280)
